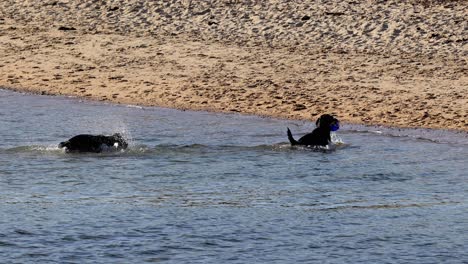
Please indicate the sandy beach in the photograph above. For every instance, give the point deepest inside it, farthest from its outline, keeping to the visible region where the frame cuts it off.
(392, 63)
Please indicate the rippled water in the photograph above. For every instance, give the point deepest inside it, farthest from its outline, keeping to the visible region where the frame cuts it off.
(198, 187)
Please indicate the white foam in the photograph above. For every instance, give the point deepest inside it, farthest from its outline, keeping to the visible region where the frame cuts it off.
(335, 139)
(135, 106)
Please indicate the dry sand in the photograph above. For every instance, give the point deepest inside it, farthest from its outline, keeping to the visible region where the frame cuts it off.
(394, 63)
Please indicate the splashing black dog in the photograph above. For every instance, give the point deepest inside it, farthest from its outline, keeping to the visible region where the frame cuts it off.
(94, 143)
(320, 136)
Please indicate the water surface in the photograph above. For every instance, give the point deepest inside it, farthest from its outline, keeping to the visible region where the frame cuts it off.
(197, 187)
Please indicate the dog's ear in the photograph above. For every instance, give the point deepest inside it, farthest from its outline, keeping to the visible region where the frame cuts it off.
(317, 123)
(63, 144)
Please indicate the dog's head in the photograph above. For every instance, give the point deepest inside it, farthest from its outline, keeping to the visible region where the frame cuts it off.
(63, 144)
(329, 122)
(118, 138)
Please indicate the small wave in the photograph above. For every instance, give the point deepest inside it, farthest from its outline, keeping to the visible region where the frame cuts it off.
(143, 150)
(38, 150)
(33, 149)
(280, 147)
(135, 106)
(324, 149)
(433, 135)
(384, 206)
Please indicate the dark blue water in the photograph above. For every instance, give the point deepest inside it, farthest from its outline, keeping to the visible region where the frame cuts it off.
(198, 187)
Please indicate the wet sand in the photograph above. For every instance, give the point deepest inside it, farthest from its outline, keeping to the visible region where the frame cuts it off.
(393, 63)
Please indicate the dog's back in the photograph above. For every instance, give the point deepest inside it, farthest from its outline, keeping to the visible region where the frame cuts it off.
(93, 143)
(320, 136)
(82, 143)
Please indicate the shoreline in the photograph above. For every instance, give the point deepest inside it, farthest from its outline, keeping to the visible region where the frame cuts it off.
(311, 119)
(285, 65)
(438, 135)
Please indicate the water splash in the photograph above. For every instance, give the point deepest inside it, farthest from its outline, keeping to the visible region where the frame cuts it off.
(335, 139)
(37, 149)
